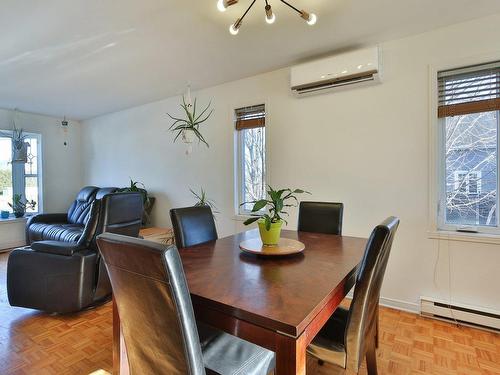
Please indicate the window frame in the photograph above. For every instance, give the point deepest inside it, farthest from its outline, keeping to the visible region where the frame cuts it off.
(238, 186)
(19, 175)
(437, 228)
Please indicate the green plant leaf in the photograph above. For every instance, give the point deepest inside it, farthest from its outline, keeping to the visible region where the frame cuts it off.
(259, 205)
(268, 222)
(251, 220)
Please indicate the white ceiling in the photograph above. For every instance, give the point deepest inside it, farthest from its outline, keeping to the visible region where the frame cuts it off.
(83, 58)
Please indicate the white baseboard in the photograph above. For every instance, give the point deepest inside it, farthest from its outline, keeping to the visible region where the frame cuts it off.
(4, 246)
(396, 304)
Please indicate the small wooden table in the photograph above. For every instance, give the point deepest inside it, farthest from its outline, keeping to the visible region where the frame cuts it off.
(161, 235)
(278, 303)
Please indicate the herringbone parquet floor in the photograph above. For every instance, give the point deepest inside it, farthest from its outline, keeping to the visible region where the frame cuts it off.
(38, 344)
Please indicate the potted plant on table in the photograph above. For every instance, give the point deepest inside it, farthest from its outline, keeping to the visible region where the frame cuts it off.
(270, 222)
(19, 205)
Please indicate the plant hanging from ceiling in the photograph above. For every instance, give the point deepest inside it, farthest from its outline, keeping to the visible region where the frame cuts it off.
(188, 128)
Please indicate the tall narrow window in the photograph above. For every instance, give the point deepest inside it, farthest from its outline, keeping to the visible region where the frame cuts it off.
(250, 123)
(469, 105)
(19, 177)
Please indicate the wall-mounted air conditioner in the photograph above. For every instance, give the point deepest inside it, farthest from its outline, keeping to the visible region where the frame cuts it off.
(346, 69)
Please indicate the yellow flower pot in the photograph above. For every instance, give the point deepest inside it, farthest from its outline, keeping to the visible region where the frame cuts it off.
(270, 237)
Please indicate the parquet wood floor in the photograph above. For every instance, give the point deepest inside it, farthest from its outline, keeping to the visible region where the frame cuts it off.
(39, 344)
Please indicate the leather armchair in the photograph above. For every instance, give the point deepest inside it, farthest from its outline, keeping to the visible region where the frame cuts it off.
(67, 227)
(62, 277)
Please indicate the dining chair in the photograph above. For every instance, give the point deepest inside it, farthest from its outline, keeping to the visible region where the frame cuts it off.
(193, 225)
(350, 335)
(157, 319)
(321, 217)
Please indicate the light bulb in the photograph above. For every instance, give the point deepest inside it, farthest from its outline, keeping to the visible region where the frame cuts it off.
(270, 20)
(312, 19)
(234, 30)
(270, 16)
(221, 6)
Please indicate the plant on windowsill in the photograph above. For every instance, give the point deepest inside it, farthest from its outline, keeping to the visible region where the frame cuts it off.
(188, 128)
(270, 223)
(19, 205)
(148, 201)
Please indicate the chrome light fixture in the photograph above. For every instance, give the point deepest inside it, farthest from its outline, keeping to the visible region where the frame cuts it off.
(234, 29)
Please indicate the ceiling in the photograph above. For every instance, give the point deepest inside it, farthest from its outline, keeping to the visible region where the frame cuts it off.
(83, 58)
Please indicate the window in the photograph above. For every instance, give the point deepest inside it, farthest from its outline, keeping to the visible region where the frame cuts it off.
(18, 177)
(468, 112)
(251, 155)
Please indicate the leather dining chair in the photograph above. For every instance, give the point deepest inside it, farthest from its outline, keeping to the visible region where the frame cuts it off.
(193, 225)
(157, 319)
(350, 335)
(321, 217)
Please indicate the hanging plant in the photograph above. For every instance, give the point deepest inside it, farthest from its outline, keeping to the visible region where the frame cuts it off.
(19, 144)
(188, 128)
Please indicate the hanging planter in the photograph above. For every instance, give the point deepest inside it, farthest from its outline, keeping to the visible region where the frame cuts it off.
(20, 151)
(188, 128)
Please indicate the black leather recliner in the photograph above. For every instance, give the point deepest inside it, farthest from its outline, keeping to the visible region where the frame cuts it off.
(63, 277)
(67, 227)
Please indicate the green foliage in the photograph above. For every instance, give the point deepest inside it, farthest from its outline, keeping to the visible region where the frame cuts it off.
(192, 121)
(278, 200)
(19, 204)
(136, 187)
(5, 178)
(203, 200)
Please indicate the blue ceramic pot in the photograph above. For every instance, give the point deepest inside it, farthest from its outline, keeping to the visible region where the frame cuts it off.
(5, 214)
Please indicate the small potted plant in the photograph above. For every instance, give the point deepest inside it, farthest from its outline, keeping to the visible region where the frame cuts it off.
(270, 223)
(188, 128)
(19, 205)
(202, 200)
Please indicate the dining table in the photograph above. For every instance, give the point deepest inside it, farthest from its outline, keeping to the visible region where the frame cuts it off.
(279, 303)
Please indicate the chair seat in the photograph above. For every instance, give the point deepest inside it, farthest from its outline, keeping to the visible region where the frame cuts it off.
(329, 343)
(56, 232)
(225, 354)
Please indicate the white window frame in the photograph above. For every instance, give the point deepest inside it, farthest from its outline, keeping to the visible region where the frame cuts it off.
(438, 229)
(240, 212)
(19, 176)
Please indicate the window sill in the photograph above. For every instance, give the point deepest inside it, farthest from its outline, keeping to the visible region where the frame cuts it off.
(465, 237)
(13, 219)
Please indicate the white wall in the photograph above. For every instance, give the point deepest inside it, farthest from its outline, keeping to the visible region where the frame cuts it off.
(61, 167)
(366, 147)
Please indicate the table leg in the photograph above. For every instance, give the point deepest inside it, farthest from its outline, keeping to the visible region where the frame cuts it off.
(116, 340)
(290, 355)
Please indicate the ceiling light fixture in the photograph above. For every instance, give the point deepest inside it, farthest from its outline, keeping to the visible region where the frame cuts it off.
(234, 29)
(222, 5)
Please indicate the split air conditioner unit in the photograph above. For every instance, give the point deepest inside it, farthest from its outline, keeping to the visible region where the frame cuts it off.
(347, 69)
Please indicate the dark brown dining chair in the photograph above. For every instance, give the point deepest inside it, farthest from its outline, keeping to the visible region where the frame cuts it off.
(350, 335)
(193, 225)
(321, 217)
(156, 314)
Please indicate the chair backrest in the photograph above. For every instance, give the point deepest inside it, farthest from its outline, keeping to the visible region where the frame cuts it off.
(78, 213)
(321, 217)
(193, 225)
(364, 306)
(154, 305)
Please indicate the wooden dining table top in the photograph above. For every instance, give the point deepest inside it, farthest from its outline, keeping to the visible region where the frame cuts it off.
(283, 294)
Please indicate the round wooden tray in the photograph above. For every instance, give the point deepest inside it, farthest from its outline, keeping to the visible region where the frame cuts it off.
(286, 246)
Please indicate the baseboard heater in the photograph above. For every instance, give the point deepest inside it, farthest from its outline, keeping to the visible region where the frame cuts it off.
(463, 314)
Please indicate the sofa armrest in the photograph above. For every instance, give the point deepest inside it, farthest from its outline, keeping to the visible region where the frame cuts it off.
(47, 218)
(57, 247)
